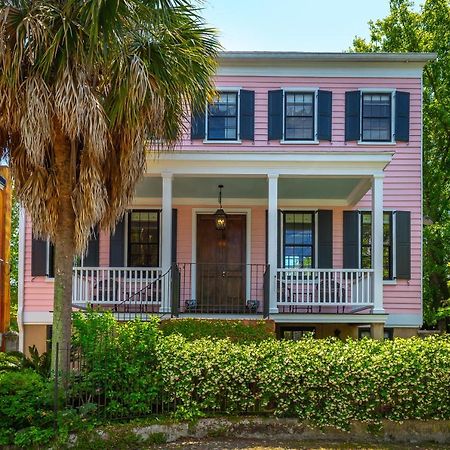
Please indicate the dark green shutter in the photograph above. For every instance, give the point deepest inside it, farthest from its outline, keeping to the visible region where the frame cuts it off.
(351, 240)
(91, 258)
(198, 121)
(402, 116)
(275, 115)
(38, 257)
(247, 115)
(325, 239)
(403, 244)
(174, 235)
(267, 236)
(352, 115)
(324, 105)
(117, 245)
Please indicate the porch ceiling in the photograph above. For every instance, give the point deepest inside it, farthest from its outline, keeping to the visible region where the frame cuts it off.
(336, 190)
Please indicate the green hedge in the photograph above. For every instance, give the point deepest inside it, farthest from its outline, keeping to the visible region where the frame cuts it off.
(26, 408)
(328, 382)
(235, 330)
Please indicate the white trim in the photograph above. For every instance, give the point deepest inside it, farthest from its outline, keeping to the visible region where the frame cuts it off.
(322, 69)
(288, 142)
(421, 200)
(329, 318)
(21, 278)
(313, 164)
(379, 143)
(404, 320)
(38, 318)
(231, 142)
(248, 235)
(139, 202)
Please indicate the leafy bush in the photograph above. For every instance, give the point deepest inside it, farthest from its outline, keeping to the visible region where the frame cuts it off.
(119, 363)
(26, 408)
(235, 330)
(328, 382)
(10, 362)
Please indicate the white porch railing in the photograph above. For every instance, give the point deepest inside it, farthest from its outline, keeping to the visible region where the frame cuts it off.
(324, 287)
(117, 285)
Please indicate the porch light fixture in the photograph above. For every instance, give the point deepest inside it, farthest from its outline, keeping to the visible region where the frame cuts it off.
(220, 217)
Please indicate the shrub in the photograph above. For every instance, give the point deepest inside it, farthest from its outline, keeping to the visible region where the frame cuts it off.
(327, 382)
(235, 330)
(10, 362)
(26, 408)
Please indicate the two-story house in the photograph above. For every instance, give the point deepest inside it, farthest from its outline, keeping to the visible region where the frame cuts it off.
(295, 196)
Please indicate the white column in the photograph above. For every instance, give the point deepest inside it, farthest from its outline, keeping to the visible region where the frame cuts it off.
(272, 239)
(166, 238)
(377, 242)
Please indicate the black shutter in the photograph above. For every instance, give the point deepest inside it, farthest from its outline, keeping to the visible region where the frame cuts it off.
(117, 245)
(402, 116)
(279, 237)
(38, 257)
(352, 115)
(275, 115)
(325, 239)
(403, 244)
(91, 258)
(51, 260)
(247, 112)
(351, 240)
(324, 104)
(198, 120)
(174, 235)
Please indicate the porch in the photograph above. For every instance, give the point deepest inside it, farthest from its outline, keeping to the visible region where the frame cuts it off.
(251, 269)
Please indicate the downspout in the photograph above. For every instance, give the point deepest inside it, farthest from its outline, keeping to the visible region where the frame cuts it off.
(21, 276)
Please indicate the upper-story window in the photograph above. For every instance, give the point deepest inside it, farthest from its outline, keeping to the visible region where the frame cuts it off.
(299, 116)
(222, 117)
(229, 118)
(377, 117)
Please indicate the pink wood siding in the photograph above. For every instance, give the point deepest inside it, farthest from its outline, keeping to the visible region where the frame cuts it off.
(38, 291)
(402, 185)
(338, 86)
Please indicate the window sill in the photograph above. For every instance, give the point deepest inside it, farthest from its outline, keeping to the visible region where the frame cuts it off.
(49, 279)
(209, 141)
(389, 282)
(284, 142)
(376, 143)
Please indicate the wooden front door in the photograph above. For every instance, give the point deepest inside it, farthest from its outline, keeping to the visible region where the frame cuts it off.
(221, 265)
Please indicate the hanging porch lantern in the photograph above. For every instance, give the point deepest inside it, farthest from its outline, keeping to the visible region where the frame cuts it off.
(220, 217)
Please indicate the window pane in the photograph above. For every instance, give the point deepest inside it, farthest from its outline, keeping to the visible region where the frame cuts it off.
(143, 239)
(222, 117)
(297, 257)
(376, 124)
(299, 116)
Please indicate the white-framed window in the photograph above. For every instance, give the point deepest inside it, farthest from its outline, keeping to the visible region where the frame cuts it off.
(222, 116)
(376, 117)
(365, 242)
(143, 238)
(299, 116)
(299, 239)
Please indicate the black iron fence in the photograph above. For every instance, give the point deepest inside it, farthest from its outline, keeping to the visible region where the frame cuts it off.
(210, 288)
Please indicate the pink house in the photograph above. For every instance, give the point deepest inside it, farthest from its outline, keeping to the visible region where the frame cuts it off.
(319, 159)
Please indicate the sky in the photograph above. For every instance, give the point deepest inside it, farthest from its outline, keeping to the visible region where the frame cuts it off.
(292, 25)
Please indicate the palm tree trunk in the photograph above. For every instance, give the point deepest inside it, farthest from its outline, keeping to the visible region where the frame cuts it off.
(64, 251)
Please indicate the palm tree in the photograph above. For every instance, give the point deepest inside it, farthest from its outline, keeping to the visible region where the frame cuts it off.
(86, 87)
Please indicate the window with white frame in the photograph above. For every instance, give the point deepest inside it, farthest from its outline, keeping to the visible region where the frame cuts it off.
(366, 242)
(143, 238)
(222, 117)
(299, 109)
(298, 239)
(376, 118)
